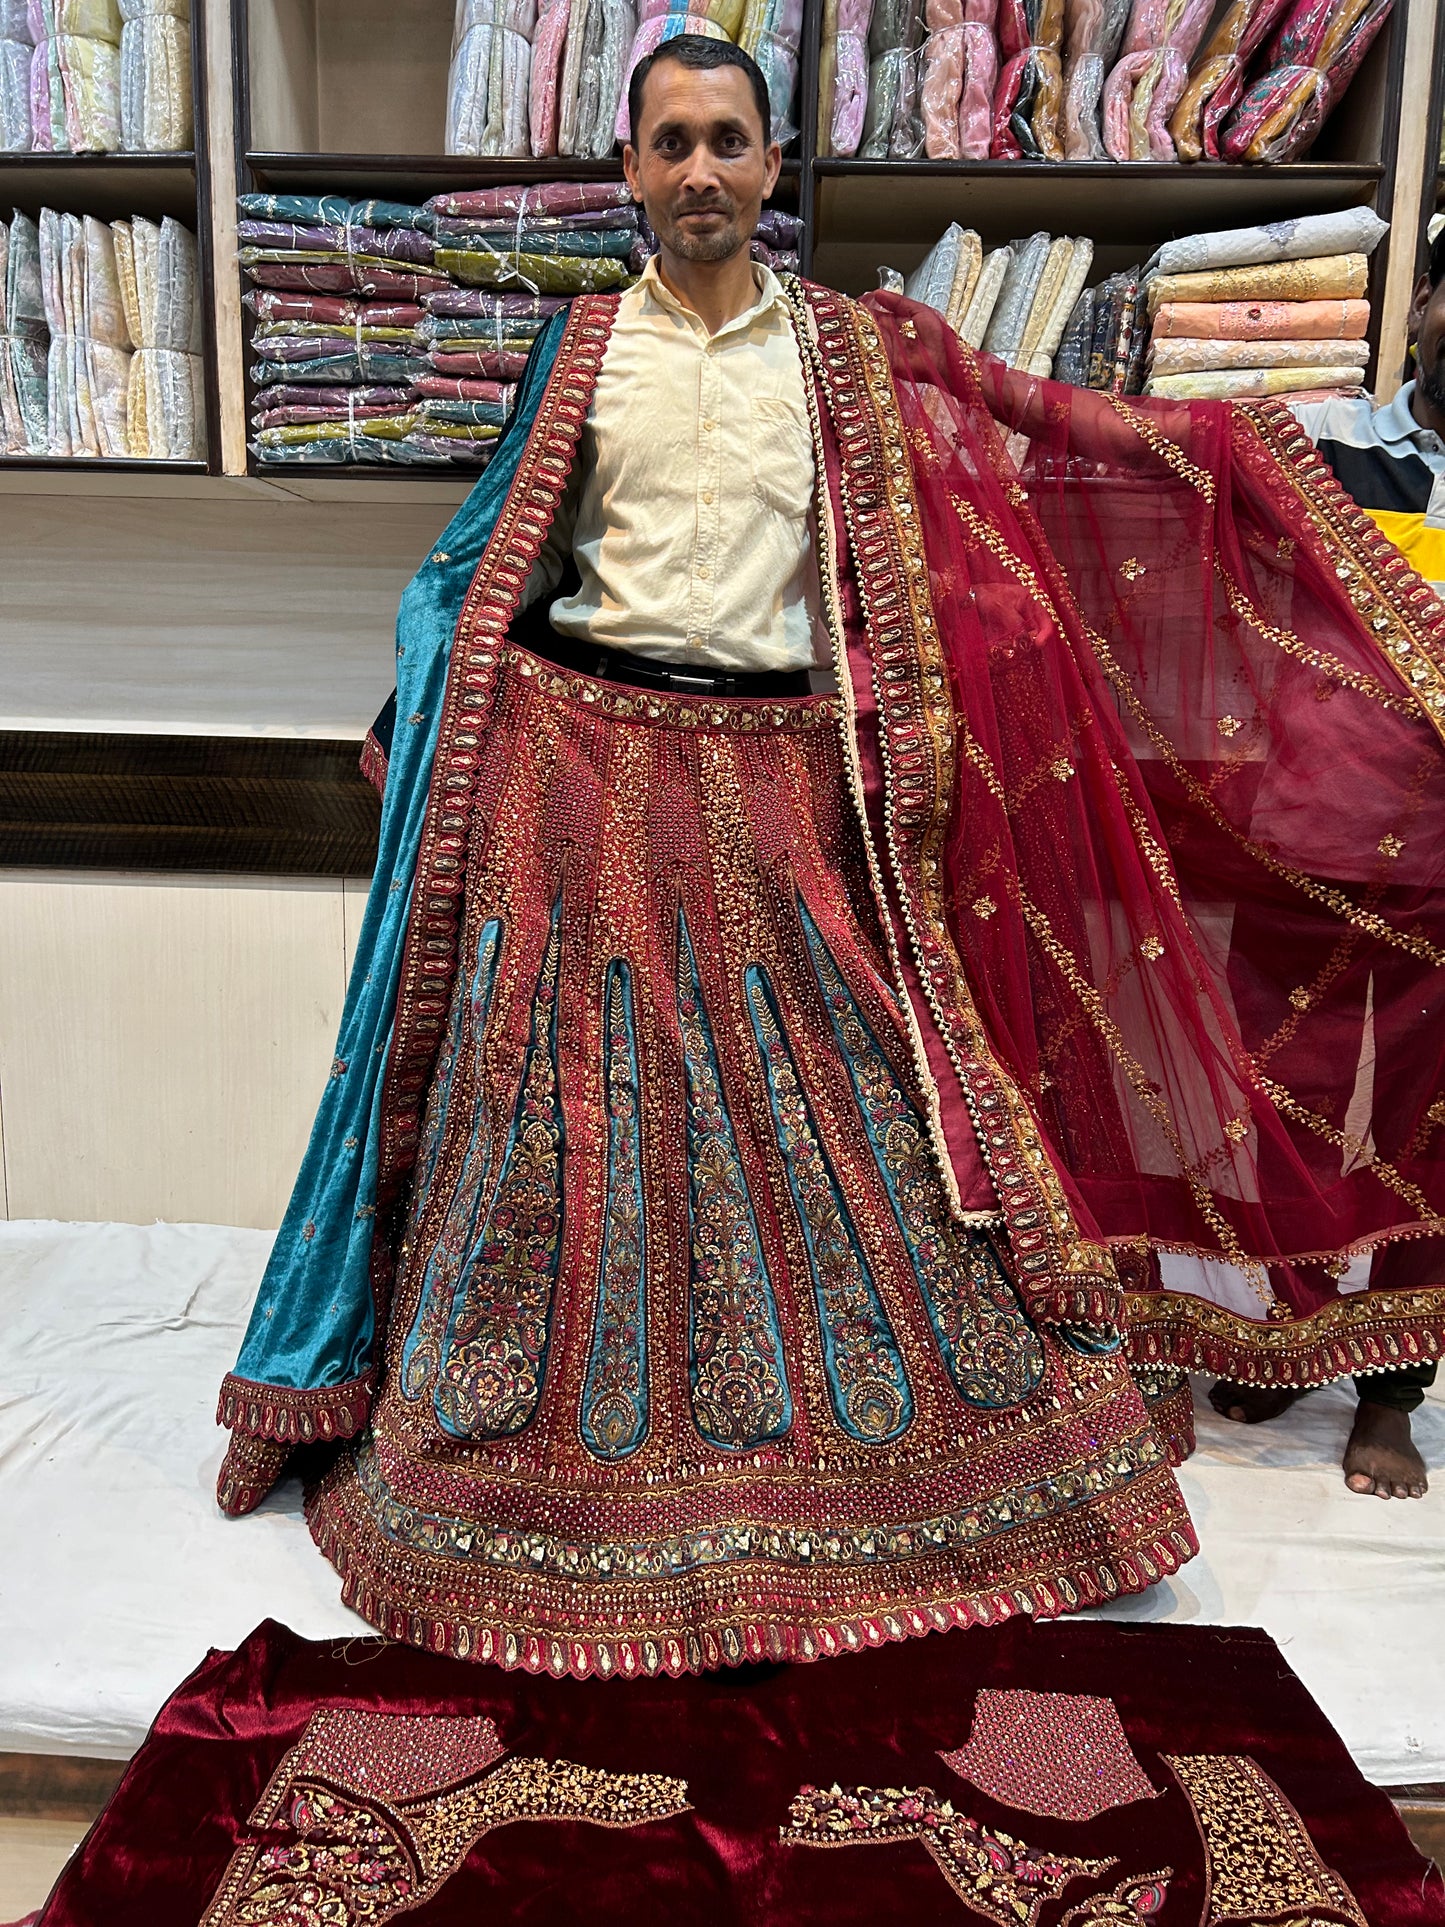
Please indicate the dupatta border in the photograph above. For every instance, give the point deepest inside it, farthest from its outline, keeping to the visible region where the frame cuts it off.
(1067, 1278)
(1399, 613)
(1367, 1331)
(280, 1416)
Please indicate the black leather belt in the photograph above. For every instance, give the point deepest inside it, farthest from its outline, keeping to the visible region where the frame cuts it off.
(646, 672)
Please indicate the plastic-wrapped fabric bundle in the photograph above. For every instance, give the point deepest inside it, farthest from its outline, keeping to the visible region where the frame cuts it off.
(1060, 284)
(485, 267)
(105, 340)
(160, 287)
(1115, 301)
(330, 209)
(16, 54)
(322, 240)
(548, 41)
(1216, 80)
(25, 341)
(771, 32)
(1341, 276)
(75, 75)
(1177, 357)
(960, 69)
(1029, 95)
(587, 111)
(489, 77)
(581, 235)
(347, 274)
(1312, 60)
(62, 430)
(893, 123)
(1146, 83)
(1353, 230)
(418, 435)
(657, 21)
(155, 76)
(932, 280)
(1262, 320)
(984, 299)
(1094, 29)
(1016, 297)
(843, 83)
(1239, 383)
(1071, 359)
(519, 202)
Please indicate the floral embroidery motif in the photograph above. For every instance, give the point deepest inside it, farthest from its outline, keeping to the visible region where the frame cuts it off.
(614, 1398)
(385, 1808)
(421, 1354)
(1064, 1756)
(1262, 1864)
(740, 1395)
(1137, 1898)
(496, 1351)
(1005, 1880)
(993, 1354)
(866, 1381)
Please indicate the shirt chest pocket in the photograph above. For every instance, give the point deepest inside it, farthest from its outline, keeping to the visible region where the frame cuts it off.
(780, 454)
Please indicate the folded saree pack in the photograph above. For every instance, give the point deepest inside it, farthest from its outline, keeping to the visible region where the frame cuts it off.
(1269, 310)
(100, 332)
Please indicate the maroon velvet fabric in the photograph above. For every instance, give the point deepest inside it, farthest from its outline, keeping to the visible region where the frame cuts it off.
(745, 1742)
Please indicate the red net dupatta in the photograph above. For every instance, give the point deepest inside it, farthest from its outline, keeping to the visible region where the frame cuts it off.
(1193, 861)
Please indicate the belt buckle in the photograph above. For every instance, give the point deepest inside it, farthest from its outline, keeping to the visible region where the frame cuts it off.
(695, 685)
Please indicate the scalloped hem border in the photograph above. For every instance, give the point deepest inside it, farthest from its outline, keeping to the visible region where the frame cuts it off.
(744, 1642)
(313, 1415)
(1366, 1332)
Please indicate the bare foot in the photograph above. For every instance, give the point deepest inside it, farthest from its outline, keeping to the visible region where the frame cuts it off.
(1381, 1457)
(1252, 1404)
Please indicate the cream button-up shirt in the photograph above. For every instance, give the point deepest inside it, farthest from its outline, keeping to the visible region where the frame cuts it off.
(690, 516)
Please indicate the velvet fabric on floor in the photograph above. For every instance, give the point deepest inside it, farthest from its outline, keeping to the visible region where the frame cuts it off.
(703, 1800)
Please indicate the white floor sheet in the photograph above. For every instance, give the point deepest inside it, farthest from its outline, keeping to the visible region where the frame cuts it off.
(117, 1573)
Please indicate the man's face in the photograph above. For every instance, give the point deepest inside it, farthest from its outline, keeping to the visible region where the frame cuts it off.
(1427, 325)
(698, 162)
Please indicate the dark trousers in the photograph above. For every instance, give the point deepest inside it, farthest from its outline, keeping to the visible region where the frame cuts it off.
(1401, 1391)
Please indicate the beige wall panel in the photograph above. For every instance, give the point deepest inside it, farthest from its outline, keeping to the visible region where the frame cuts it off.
(233, 617)
(163, 1041)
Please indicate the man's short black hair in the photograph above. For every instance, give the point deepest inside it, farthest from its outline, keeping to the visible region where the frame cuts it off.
(699, 52)
(1435, 267)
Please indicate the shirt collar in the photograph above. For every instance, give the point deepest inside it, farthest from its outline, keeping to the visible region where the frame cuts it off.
(652, 287)
(1396, 422)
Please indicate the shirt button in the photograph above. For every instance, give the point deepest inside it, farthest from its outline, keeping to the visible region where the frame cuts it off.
(709, 426)
(707, 496)
(702, 573)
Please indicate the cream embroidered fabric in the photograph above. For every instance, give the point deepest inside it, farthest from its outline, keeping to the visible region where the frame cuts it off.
(157, 271)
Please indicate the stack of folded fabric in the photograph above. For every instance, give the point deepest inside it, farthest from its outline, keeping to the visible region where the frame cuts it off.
(549, 77)
(75, 76)
(1012, 302)
(24, 339)
(1264, 310)
(100, 350)
(155, 76)
(160, 294)
(16, 54)
(88, 370)
(390, 333)
(1086, 79)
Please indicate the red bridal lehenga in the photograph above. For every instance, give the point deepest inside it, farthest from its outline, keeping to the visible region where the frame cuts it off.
(785, 1104)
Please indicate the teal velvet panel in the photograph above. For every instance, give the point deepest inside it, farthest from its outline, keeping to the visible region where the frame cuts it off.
(312, 1324)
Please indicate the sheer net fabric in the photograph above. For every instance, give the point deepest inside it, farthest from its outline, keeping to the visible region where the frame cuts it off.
(1217, 975)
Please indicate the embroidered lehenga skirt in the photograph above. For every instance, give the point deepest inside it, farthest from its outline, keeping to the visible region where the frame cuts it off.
(687, 1362)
